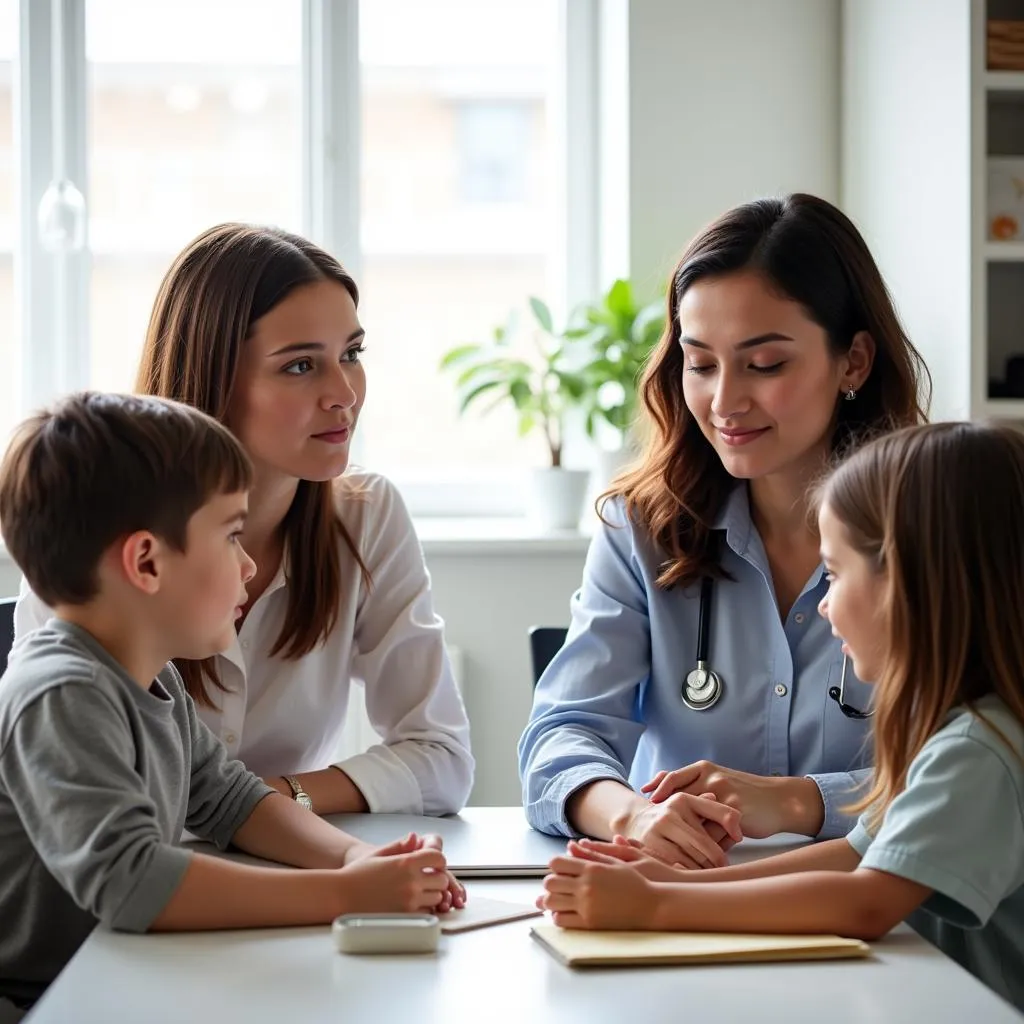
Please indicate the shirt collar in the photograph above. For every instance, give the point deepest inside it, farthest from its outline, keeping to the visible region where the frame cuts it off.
(734, 518)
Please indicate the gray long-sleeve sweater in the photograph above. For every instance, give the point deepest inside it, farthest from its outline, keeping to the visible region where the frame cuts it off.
(98, 777)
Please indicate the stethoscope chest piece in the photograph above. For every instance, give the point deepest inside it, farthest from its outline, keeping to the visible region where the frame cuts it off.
(702, 689)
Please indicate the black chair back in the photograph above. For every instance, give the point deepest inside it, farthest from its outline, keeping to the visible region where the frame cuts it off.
(6, 630)
(545, 643)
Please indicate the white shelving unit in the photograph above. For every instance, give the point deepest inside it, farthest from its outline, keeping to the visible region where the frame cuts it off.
(997, 285)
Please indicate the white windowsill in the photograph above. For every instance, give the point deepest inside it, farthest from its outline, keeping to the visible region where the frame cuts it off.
(453, 535)
(480, 535)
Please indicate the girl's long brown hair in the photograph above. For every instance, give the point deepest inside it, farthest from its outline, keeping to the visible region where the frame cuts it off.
(939, 510)
(807, 251)
(215, 291)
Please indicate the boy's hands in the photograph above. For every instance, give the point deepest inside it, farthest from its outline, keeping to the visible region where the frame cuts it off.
(453, 896)
(405, 883)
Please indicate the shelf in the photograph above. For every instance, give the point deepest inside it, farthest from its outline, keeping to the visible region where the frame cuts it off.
(1001, 409)
(1004, 252)
(1006, 82)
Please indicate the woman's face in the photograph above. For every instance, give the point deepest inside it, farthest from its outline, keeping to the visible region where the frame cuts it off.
(300, 384)
(758, 376)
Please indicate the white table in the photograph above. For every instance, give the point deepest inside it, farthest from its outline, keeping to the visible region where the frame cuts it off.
(282, 976)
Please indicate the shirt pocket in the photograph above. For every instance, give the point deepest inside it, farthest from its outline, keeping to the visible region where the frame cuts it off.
(846, 742)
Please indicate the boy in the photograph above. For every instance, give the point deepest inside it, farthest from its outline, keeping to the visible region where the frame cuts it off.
(124, 514)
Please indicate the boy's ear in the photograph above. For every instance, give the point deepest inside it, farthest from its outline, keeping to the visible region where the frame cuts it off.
(142, 561)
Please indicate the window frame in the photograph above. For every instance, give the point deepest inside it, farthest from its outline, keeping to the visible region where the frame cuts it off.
(53, 289)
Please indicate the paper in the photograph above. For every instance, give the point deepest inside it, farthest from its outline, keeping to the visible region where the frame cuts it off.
(480, 912)
(579, 948)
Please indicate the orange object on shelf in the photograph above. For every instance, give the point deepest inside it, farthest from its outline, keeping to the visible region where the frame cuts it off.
(1003, 227)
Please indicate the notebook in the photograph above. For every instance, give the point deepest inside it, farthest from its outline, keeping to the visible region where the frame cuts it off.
(481, 912)
(492, 845)
(577, 948)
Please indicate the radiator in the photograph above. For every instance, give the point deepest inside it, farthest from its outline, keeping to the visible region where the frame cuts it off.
(358, 734)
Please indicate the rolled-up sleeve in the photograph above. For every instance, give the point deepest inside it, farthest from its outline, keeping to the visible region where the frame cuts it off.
(80, 803)
(839, 790)
(584, 724)
(423, 764)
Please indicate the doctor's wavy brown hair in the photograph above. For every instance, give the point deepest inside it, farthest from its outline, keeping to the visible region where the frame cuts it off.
(938, 509)
(807, 251)
(214, 292)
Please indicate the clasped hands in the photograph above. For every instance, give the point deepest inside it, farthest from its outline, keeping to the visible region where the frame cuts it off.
(692, 817)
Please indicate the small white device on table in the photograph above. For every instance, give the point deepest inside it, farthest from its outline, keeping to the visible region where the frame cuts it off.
(386, 933)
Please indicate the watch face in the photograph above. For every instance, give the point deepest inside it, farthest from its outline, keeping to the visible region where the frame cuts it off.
(302, 799)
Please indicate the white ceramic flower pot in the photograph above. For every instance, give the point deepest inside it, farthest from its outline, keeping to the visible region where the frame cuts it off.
(556, 498)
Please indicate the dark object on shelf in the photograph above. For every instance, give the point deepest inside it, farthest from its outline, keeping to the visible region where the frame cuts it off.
(1015, 376)
(997, 388)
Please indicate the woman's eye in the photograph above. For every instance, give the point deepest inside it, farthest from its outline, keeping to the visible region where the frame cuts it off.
(694, 368)
(299, 367)
(352, 354)
(772, 368)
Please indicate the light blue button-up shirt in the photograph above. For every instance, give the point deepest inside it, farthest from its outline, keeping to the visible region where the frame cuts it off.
(609, 705)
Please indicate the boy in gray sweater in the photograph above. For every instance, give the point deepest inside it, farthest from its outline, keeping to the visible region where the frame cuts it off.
(124, 514)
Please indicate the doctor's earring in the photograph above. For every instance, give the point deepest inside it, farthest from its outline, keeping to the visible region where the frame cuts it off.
(851, 393)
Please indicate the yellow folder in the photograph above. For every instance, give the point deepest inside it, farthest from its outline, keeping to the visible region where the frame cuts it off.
(577, 948)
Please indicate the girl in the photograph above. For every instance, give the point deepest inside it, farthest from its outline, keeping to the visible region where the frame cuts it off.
(782, 347)
(259, 328)
(922, 539)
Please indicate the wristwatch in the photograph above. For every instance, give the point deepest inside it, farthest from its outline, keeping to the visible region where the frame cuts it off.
(301, 796)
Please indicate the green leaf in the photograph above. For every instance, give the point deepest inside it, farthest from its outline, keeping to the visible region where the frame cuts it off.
(619, 299)
(521, 393)
(457, 355)
(474, 393)
(543, 314)
(527, 422)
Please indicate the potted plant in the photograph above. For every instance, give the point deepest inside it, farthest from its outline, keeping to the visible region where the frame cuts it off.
(544, 383)
(591, 367)
(620, 333)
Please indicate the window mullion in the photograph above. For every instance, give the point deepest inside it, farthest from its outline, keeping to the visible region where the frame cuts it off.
(331, 127)
(52, 287)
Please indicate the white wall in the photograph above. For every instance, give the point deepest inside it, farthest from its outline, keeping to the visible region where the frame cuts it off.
(906, 171)
(729, 100)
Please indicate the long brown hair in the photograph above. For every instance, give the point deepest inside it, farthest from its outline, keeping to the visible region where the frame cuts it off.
(807, 251)
(216, 289)
(938, 509)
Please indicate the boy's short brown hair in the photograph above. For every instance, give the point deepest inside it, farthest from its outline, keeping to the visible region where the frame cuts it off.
(97, 467)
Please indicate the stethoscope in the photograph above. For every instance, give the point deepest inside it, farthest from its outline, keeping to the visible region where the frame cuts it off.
(703, 686)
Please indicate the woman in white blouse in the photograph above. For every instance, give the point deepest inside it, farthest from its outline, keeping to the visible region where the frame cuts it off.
(259, 328)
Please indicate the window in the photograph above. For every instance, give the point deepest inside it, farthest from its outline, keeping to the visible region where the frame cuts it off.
(422, 143)
(457, 192)
(494, 149)
(10, 348)
(186, 129)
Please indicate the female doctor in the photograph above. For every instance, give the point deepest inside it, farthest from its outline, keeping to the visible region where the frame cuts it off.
(782, 349)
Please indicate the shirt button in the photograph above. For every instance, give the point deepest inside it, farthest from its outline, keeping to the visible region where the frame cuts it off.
(244, 644)
(230, 737)
(798, 618)
(780, 690)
